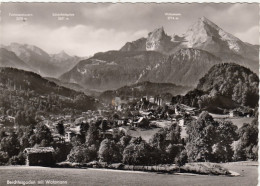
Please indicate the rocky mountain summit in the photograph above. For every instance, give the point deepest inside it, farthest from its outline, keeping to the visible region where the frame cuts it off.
(204, 35)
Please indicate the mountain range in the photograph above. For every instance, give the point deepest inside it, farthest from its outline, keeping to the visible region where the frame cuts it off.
(157, 58)
(161, 58)
(33, 58)
(204, 35)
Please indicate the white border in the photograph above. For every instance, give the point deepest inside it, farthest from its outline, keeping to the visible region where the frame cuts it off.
(138, 1)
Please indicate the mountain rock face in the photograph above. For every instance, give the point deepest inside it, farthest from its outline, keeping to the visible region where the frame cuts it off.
(185, 67)
(41, 62)
(112, 70)
(159, 41)
(138, 45)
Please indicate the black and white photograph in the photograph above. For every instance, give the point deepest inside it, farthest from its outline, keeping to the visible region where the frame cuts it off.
(129, 94)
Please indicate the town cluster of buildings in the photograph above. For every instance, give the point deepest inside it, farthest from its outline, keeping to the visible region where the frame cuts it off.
(151, 101)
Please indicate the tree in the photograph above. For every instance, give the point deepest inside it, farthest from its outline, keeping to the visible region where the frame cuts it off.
(43, 135)
(201, 137)
(109, 151)
(17, 160)
(3, 157)
(210, 140)
(84, 128)
(137, 154)
(92, 135)
(20, 118)
(144, 123)
(10, 144)
(173, 151)
(226, 134)
(60, 128)
(247, 147)
(82, 154)
(124, 140)
(167, 142)
(182, 159)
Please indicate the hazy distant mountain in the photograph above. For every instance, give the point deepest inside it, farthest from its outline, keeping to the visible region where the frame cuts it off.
(43, 63)
(63, 61)
(72, 86)
(9, 59)
(34, 57)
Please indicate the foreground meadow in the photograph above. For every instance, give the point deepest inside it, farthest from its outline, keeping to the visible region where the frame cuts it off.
(247, 170)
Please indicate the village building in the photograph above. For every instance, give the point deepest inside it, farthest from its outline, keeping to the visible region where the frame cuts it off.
(40, 156)
(234, 113)
(158, 101)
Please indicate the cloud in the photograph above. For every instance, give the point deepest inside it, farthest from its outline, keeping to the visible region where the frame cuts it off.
(80, 40)
(251, 35)
(237, 18)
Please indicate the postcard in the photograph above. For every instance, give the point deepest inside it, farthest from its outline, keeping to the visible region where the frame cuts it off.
(129, 93)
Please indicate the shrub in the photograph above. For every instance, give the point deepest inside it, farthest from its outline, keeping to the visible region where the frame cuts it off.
(17, 160)
(3, 157)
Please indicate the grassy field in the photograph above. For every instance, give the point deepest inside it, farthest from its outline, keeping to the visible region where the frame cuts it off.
(105, 177)
(238, 121)
(146, 134)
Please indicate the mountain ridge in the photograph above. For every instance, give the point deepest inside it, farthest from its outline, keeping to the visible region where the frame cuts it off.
(40, 61)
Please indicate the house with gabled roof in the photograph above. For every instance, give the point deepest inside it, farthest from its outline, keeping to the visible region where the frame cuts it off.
(39, 156)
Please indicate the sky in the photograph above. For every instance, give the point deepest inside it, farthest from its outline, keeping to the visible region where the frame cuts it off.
(99, 27)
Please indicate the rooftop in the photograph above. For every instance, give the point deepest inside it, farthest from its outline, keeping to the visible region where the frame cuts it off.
(39, 150)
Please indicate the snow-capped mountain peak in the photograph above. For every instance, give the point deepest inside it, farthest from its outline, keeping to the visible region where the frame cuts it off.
(205, 31)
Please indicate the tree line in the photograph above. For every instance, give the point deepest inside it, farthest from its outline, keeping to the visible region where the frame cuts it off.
(207, 140)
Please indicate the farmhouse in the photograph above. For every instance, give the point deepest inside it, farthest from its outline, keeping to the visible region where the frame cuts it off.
(40, 156)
